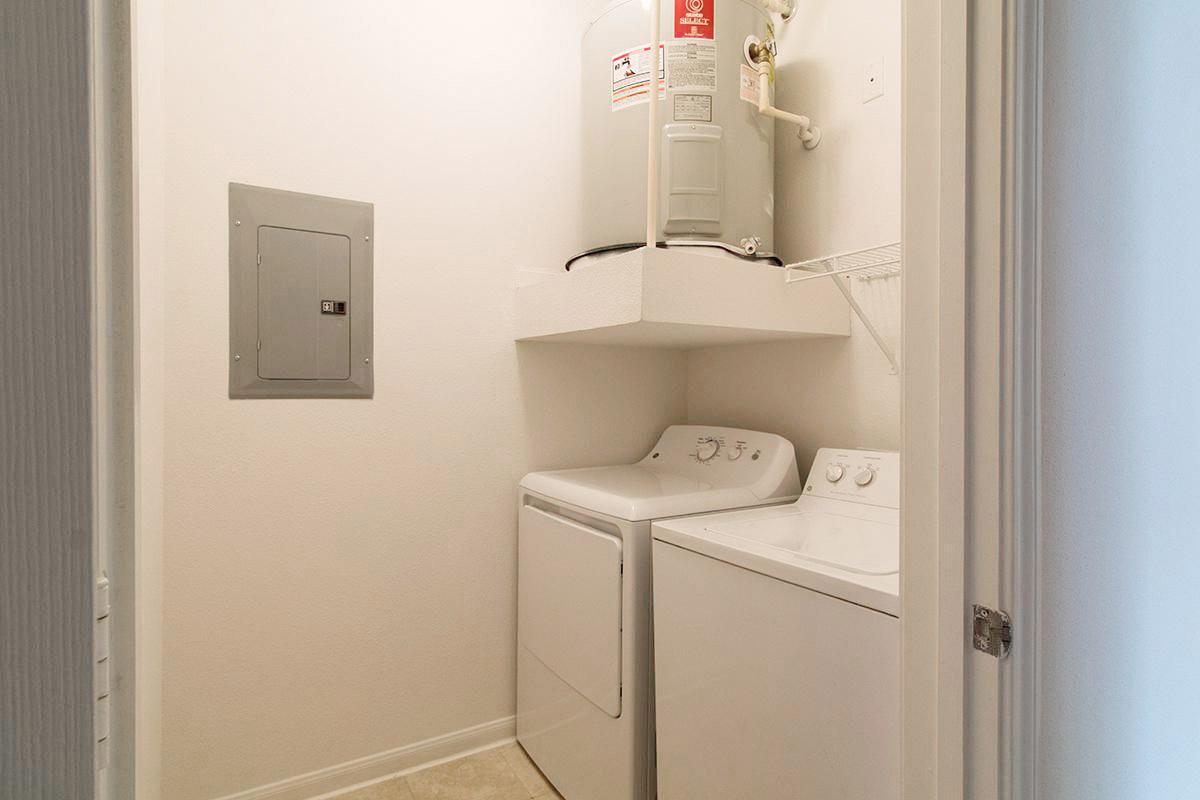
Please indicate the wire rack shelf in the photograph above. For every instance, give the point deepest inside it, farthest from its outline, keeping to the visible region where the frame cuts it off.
(870, 264)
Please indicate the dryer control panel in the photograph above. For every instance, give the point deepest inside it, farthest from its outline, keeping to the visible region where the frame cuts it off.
(870, 477)
(727, 457)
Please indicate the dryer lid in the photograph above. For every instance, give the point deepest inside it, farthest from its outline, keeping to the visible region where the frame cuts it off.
(635, 493)
(692, 469)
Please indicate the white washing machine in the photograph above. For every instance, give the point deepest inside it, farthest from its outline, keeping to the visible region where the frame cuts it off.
(585, 696)
(777, 642)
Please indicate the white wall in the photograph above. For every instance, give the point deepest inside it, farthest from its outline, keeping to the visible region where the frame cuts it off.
(1119, 593)
(339, 576)
(843, 195)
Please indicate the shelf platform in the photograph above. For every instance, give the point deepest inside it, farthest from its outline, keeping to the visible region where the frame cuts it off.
(680, 299)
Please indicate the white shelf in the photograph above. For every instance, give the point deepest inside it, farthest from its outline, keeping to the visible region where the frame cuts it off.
(677, 298)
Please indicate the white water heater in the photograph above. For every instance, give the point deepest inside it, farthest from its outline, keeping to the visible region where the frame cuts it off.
(717, 151)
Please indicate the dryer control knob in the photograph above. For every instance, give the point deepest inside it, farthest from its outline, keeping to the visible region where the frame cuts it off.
(835, 473)
(865, 477)
(707, 450)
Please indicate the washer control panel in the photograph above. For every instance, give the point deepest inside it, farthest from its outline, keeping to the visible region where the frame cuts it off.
(871, 477)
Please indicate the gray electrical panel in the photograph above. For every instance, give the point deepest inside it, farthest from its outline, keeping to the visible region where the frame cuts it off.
(300, 276)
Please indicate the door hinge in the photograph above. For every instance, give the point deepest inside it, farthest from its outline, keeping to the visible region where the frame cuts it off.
(993, 631)
(102, 674)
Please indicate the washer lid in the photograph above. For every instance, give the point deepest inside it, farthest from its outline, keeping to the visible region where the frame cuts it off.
(810, 543)
(864, 547)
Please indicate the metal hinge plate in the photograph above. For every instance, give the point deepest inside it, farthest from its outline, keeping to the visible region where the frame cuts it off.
(993, 631)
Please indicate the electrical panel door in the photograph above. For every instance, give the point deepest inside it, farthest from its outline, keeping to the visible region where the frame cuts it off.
(300, 304)
(303, 311)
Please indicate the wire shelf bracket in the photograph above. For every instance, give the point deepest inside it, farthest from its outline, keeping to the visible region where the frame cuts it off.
(870, 264)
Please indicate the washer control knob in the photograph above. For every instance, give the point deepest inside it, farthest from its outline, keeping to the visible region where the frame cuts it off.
(736, 452)
(707, 450)
(865, 477)
(834, 473)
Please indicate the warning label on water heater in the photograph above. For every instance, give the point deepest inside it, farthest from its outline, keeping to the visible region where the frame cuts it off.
(749, 85)
(693, 108)
(631, 76)
(692, 66)
(695, 19)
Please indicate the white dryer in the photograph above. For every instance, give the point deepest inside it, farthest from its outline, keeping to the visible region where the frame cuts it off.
(777, 638)
(585, 695)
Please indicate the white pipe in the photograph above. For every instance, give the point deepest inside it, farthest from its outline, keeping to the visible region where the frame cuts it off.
(783, 7)
(654, 134)
(811, 136)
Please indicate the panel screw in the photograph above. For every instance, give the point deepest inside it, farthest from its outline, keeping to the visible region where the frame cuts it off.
(368, 238)
(366, 361)
(237, 357)
(237, 222)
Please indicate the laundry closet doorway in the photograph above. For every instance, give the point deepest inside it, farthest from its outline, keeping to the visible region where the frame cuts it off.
(945, 51)
(971, 160)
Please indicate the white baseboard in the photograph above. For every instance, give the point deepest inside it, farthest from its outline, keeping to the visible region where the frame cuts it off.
(389, 763)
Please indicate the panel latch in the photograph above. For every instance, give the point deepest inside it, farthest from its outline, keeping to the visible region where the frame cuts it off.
(993, 631)
(333, 307)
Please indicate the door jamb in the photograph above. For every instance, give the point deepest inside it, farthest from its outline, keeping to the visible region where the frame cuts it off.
(112, 386)
(147, 142)
(936, 635)
(933, 446)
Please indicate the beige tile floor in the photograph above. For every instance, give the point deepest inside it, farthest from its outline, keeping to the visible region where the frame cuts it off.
(504, 773)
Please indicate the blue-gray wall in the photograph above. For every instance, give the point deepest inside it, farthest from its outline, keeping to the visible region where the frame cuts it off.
(45, 402)
(1120, 560)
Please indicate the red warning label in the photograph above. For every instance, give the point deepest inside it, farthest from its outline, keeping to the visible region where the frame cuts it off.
(695, 19)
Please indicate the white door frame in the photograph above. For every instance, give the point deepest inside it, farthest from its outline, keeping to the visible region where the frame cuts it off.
(112, 396)
(147, 43)
(128, 374)
(971, 117)
(933, 446)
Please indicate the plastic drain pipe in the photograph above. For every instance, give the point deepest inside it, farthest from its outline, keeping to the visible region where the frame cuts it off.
(654, 132)
(810, 135)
